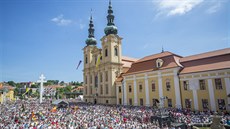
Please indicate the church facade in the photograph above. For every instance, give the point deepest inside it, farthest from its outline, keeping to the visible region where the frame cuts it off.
(198, 82)
(103, 65)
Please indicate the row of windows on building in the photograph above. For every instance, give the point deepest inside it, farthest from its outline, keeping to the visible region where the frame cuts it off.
(106, 54)
(101, 90)
(96, 78)
(220, 102)
(202, 84)
(218, 85)
(168, 86)
(188, 103)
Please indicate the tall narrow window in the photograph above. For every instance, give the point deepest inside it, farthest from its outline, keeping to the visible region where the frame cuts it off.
(91, 90)
(141, 102)
(91, 79)
(119, 100)
(106, 52)
(188, 103)
(153, 86)
(221, 104)
(218, 84)
(86, 80)
(95, 59)
(106, 89)
(101, 89)
(205, 103)
(86, 59)
(140, 88)
(202, 84)
(106, 76)
(169, 102)
(96, 81)
(119, 89)
(101, 77)
(186, 85)
(115, 51)
(168, 86)
(130, 102)
(130, 88)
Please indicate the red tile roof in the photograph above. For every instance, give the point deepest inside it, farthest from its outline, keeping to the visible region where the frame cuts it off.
(206, 55)
(148, 63)
(214, 60)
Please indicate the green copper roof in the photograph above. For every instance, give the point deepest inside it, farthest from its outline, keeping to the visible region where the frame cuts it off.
(110, 28)
(91, 40)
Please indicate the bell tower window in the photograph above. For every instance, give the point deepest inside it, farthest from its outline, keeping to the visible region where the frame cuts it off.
(115, 51)
(86, 59)
(106, 52)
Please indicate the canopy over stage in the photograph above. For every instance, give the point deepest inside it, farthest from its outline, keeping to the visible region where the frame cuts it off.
(60, 103)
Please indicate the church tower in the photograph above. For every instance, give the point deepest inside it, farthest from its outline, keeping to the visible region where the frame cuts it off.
(102, 65)
(111, 49)
(91, 43)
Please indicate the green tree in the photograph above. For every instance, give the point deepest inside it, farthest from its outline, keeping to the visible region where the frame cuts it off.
(34, 86)
(11, 83)
(68, 89)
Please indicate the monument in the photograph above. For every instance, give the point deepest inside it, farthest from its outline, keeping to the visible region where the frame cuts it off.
(41, 81)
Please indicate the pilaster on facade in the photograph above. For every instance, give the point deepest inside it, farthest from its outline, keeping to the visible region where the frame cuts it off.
(124, 93)
(211, 95)
(227, 83)
(135, 90)
(177, 90)
(160, 85)
(98, 83)
(117, 91)
(147, 90)
(194, 87)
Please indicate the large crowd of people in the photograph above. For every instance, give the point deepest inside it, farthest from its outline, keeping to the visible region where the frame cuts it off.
(29, 114)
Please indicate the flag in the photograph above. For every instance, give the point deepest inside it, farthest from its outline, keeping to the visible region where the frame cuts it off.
(79, 64)
(27, 90)
(98, 60)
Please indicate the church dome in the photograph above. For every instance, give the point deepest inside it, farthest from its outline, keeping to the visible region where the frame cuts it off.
(110, 29)
(91, 41)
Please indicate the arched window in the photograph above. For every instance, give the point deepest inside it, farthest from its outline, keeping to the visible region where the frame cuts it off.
(95, 59)
(101, 89)
(106, 76)
(153, 86)
(86, 59)
(140, 87)
(96, 81)
(101, 77)
(106, 52)
(115, 51)
(86, 80)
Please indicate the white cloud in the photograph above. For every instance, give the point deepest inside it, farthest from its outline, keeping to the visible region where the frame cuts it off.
(214, 8)
(175, 7)
(59, 20)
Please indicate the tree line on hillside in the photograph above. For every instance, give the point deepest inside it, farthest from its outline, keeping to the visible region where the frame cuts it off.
(68, 86)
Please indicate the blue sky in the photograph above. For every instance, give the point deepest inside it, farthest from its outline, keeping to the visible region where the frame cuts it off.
(40, 36)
